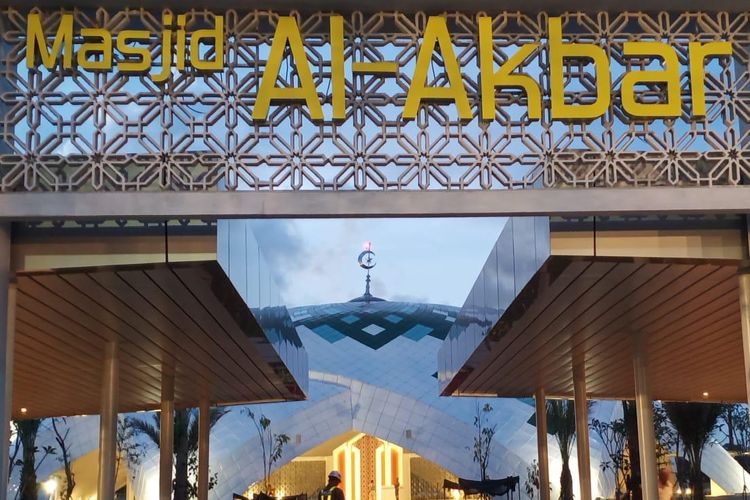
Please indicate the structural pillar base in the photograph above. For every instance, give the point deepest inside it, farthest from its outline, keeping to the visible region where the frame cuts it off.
(541, 443)
(582, 430)
(108, 423)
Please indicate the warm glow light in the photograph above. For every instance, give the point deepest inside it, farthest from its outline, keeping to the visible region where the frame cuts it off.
(280, 493)
(50, 486)
(24, 410)
(688, 491)
(456, 494)
(705, 394)
(679, 491)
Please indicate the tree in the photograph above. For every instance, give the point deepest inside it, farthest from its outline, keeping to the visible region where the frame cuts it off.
(26, 432)
(532, 483)
(731, 416)
(694, 423)
(12, 463)
(185, 444)
(62, 442)
(633, 478)
(271, 445)
(129, 450)
(612, 435)
(483, 438)
(561, 422)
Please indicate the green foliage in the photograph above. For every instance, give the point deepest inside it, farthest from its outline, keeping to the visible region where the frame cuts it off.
(271, 445)
(561, 423)
(666, 436)
(694, 423)
(69, 481)
(213, 479)
(129, 450)
(483, 438)
(612, 435)
(735, 427)
(26, 433)
(531, 485)
(185, 435)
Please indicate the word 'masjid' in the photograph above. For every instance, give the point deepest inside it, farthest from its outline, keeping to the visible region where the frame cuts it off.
(96, 53)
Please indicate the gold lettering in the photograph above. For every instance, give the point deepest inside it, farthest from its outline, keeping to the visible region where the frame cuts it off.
(124, 39)
(436, 33)
(36, 41)
(558, 52)
(669, 75)
(166, 51)
(504, 77)
(179, 54)
(216, 37)
(287, 32)
(338, 81)
(89, 50)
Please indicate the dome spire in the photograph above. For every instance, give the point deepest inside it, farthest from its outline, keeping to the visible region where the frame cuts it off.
(366, 261)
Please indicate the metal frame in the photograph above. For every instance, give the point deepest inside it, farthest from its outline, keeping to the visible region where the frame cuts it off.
(76, 131)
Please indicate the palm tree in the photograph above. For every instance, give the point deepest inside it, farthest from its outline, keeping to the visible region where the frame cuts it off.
(561, 422)
(27, 431)
(185, 443)
(694, 423)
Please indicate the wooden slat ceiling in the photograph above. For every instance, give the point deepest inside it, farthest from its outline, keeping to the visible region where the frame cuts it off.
(591, 308)
(182, 318)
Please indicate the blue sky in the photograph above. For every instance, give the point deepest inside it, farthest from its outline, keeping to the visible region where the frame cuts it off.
(424, 260)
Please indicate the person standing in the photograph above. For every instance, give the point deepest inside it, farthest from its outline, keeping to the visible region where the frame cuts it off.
(332, 490)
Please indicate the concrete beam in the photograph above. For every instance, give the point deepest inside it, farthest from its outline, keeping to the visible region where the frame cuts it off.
(334, 204)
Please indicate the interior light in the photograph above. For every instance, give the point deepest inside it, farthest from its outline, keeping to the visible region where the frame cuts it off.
(23, 411)
(50, 486)
(705, 394)
(688, 491)
(679, 491)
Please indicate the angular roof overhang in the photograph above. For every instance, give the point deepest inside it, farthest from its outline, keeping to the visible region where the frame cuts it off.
(185, 319)
(676, 286)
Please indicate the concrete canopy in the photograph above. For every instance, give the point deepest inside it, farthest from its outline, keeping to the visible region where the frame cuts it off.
(183, 311)
(183, 318)
(583, 294)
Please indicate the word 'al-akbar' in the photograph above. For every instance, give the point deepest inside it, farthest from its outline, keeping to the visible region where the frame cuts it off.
(96, 53)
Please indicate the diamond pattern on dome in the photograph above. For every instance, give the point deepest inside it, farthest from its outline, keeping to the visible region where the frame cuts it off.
(328, 333)
(350, 319)
(373, 329)
(417, 332)
(375, 324)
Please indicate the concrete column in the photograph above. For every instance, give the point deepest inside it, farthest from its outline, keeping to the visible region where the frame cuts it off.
(582, 430)
(541, 444)
(645, 413)
(166, 437)
(744, 279)
(7, 340)
(108, 423)
(204, 430)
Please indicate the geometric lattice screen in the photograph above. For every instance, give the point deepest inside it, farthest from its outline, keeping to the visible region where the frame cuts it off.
(78, 130)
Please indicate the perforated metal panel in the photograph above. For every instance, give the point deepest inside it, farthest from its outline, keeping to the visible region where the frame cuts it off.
(110, 131)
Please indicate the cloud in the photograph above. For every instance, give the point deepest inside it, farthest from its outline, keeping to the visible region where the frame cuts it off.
(418, 260)
(417, 299)
(282, 246)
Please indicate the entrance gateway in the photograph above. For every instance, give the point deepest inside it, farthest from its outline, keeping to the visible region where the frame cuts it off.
(116, 119)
